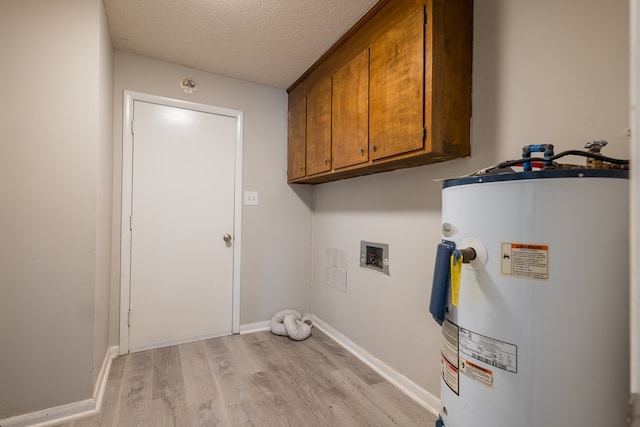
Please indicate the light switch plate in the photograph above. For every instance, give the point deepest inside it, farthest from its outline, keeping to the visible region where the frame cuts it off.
(251, 198)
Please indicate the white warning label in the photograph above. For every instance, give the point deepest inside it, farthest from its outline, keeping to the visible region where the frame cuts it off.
(450, 342)
(525, 260)
(493, 352)
(449, 352)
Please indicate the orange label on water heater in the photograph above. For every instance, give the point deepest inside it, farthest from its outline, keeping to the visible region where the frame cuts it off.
(477, 372)
(525, 260)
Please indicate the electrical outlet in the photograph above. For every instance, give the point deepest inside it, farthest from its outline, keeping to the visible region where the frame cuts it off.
(251, 198)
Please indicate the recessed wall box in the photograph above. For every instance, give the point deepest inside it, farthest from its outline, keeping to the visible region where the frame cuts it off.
(374, 256)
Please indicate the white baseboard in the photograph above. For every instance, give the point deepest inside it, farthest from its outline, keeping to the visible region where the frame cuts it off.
(103, 376)
(70, 411)
(402, 383)
(250, 328)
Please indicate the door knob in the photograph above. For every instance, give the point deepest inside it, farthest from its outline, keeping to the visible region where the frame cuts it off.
(226, 238)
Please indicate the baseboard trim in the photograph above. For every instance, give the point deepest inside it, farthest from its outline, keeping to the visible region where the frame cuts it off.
(103, 376)
(70, 411)
(250, 328)
(402, 383)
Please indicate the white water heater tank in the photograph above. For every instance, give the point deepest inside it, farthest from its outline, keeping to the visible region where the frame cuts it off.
(540, 335)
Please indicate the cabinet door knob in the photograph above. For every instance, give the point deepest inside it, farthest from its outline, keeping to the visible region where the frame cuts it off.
(361, 150)
(325, 161)
(374, 147)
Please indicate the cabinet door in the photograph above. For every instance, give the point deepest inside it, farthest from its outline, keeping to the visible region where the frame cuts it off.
(350, 113)
(297, 140)
(319, 128)
(397, 89)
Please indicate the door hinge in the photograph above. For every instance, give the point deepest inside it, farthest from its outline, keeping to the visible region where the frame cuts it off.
(129, 318)
(424, 132)
(130, 222)
(634, 410)
(132, 122)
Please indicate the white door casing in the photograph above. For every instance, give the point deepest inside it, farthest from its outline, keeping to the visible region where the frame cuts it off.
(635, 213)
(153, 209)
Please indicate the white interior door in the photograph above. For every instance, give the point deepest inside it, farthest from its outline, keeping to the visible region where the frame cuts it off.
(182, 208)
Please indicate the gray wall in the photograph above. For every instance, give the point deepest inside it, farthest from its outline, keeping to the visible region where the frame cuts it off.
(276, 236)
(104, 176)
(543, 72)
(54, 257)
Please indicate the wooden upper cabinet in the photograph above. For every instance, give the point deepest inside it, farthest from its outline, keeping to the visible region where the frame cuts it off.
(297, 140)
(319, 129)
(350, 113)
(397, 89)
(394, 92)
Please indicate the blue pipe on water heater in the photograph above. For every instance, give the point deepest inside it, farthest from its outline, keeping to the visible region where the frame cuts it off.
(547, 149)
(441, 279)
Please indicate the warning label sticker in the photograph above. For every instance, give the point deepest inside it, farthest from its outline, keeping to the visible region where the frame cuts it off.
(450, 375)
(477, 372)
(493, 352)
(450, 342)
(449, 352)
(525, 260)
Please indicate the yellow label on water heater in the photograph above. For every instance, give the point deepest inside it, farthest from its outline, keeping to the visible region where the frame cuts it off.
(456, 271)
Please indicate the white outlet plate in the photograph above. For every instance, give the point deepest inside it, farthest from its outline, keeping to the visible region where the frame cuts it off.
(251, 198)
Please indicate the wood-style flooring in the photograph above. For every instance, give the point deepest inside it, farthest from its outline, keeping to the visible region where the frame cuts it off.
(256, 379)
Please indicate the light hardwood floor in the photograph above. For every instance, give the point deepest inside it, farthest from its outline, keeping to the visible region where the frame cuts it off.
(251, 380)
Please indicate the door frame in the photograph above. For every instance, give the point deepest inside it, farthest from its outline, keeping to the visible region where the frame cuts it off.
(127, 180)
(635, 211)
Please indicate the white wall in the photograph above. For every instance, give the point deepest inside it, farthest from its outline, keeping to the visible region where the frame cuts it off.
(276, 238)
(52, 251)
(543, 72)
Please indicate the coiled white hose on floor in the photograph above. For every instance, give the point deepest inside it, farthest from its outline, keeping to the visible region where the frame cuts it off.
(291, 323)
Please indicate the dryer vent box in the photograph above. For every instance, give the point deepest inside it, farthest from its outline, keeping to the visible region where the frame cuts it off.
(374, 256)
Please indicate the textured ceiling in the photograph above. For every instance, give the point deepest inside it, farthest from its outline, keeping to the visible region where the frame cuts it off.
(271, 42)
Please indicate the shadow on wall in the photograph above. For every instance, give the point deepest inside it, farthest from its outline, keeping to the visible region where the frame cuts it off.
(488, 40)
(304, 193)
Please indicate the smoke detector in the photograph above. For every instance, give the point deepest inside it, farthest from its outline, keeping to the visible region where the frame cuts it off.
(188, 86)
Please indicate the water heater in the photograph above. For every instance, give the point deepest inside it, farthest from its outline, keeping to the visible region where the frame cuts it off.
(531, 288)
